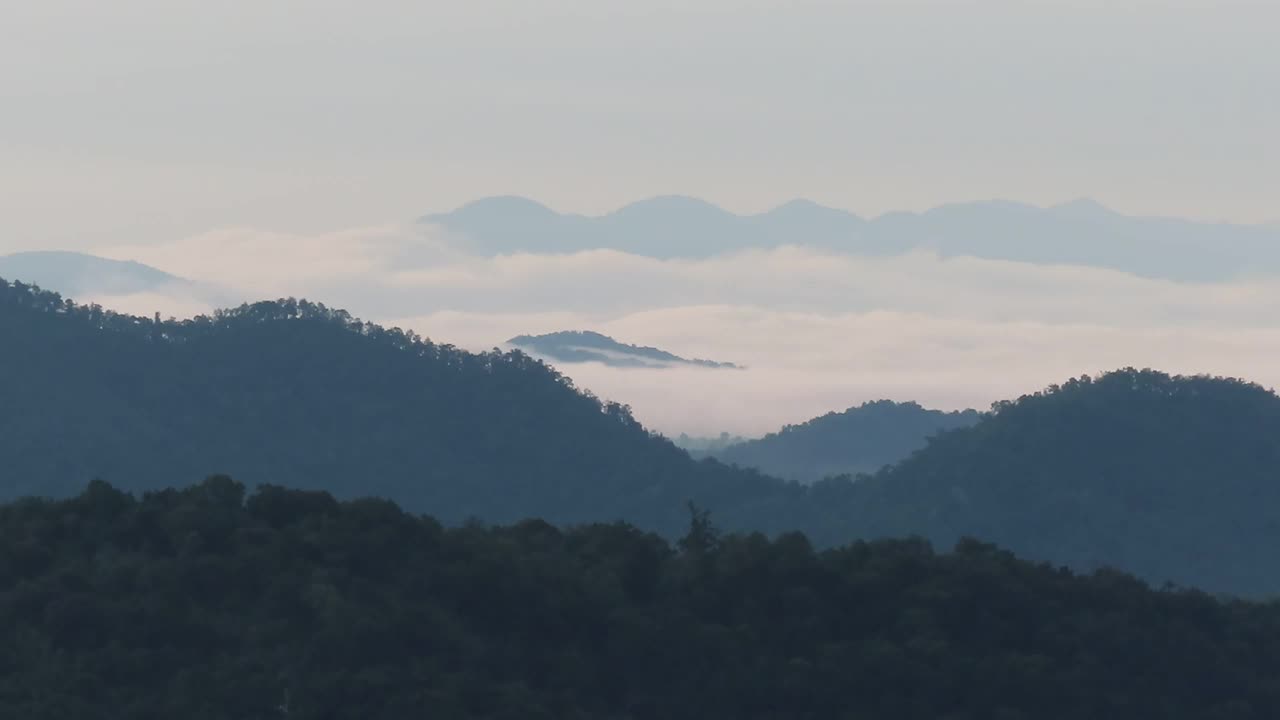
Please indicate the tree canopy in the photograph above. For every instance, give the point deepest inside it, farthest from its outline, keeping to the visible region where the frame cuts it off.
(211, 602)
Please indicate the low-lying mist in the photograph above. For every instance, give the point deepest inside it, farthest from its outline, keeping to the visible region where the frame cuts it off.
(816, 331)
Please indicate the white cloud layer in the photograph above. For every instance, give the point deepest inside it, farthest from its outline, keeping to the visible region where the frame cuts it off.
(817, 332)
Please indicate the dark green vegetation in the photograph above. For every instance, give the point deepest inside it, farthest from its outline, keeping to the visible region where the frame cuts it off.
(202, 604)
(1172, 478)
(859, 440)
(585, 346)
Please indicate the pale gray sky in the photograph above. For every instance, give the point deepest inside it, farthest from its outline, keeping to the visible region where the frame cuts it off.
(146, 120)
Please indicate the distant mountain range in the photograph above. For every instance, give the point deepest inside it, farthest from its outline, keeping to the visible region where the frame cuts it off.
(586, 346)
(668, 226)
(1082, 232)
(862, 439)
(82, 275)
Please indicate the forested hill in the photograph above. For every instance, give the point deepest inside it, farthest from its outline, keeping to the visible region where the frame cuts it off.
(1172, 478)
(205, 604)
(299, 395)
(1177, 478)
(859, 440)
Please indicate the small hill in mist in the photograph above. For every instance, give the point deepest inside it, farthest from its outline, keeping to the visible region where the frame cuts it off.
(73, 273)
(706, 446)
(859, 440)
(1081, 232)
(586, 346)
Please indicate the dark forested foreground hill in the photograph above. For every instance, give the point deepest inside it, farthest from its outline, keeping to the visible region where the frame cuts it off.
(1172, 478)
(299, 395)
(859, 440)
(201, 604)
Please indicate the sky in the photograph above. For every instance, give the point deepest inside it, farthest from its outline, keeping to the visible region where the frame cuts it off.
(278, 148)
(140, 121)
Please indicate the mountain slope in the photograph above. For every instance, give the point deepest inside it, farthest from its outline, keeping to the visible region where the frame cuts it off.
(576, 347)
(1176, 478)
(296, 394)
(858, 440)
(73, 273)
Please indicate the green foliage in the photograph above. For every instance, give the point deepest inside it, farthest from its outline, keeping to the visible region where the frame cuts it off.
(200, 604)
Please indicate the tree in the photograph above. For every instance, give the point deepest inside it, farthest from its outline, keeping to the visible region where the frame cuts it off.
(702, 537)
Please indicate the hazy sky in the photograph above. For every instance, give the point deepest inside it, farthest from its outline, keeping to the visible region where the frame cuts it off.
(146, 120)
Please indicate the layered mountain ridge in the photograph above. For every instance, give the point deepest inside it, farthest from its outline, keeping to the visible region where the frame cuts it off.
(1173, 478)
(1080, 232)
